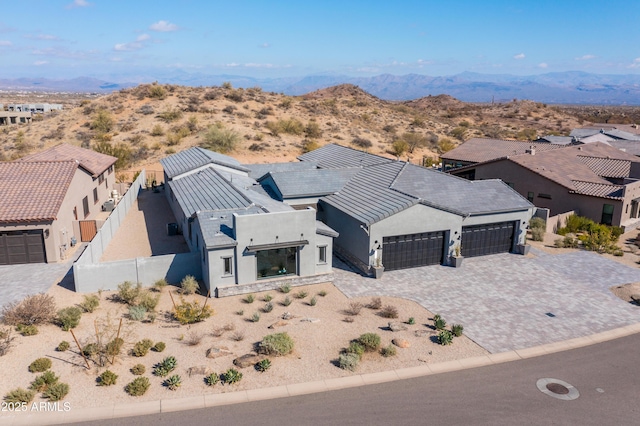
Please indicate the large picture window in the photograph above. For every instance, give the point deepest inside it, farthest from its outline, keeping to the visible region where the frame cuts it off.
(277, 262)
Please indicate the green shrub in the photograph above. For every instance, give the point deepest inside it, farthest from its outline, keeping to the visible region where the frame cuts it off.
(159, 347)
(286, 301)
(438, 322)
(267, 298)
(370, 341)
(268, 307)
(107, 378)
(285, 288)
(389, 312)
(156, 91)
(63, 346)
(355, 347)
(43, 381)
(537, 234)
(90, 303)
(301, 294)
(537, 223)
(189, 285)
(137, 313)
(411, 321)
(138, 369)
(263, 365)
(148, 301)
(249, 298)
(388, 351)
(322, 293)
(173, 382)
(114, 347)
(231, 376)
(170, 115)
(445, 337)
(102, 122)
(27, 330)
(69, 318)
(165, 367)
(142, 347)
(40, 365)
(19, 395)
(56, 392)
(457, 330)
(309, 145)
(191, 312)
(348, 361)
(138, 386)
(90, 350)
(255, 317)
(160, 284)
(127, 293)
(313, 301)
(220, 139)
(212, 379)
(277, 344)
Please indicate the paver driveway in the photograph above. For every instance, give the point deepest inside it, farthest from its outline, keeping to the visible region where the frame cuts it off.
(502, 300)
(19, 281)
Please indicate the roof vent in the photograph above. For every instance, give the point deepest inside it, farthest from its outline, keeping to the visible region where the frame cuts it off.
(531, 150)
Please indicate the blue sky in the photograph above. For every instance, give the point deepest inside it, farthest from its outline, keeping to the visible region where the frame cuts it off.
(137, 40)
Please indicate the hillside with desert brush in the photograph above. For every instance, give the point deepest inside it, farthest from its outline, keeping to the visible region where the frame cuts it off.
(143, 124)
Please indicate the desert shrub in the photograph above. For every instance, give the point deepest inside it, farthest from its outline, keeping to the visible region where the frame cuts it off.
(362, 142)
(191, 312)
(122, 151)
(277, 344)
(235, 96)
(355, 347)
(148, 301)
(138, 386)
(268, 307)
(457, 330)
(291, 126)
(63, 346)
(255, 317)
(285, 288)
(220, 139)
(165, 367)
(128, 293)
(108, 378)
(156, 91)
(157, 130)
(537, 234)
(438, 322)
(212, 379)
(301, 294)
(138, 370)
(286, 301)
(313, 301)
(189, 285)
(388, 351)
(19, 395)
(194, 338)
(348, 361)
(170, 115)
(537, 223)
(142, 347)
(376, 303)
(322, 293)
(411, 321)
(445, 145)
(173, 382)
(43, 381)
(137, 313)
(237, 336)
(69, 317)
(312, 130)
(354, 308)
(102, 121)
(90, 303)
(56, 392)
(249, 298)
(399, 147)
(263, 365)
(6, 341)
(160, 284)
(389, 312)
(445, 337)
(27, 330)
(267, 298)
(114, 347)
(40, 365)
(370, 341)
(34, 309)
(231, 376)
(90, 350)
(309, 145)
(159, 347)
(575, 224)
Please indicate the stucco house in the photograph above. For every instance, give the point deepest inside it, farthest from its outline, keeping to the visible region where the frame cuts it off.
(45, 197)
(594, 180)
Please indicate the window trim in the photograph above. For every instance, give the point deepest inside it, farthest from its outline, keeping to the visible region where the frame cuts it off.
(85, 206)
(322, 255)
(95, 196)
(227, 272)
(546, 196)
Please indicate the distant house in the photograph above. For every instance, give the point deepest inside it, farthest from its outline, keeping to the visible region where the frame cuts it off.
(594, 180)
(45, 197)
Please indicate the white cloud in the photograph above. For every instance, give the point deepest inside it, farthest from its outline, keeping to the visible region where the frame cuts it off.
(5, 43)
(635, 63)
(519, 56)
(543, 65)
(264, 45)
(128, 47)
(65, 53)
(41, 37)
(143, 37)
(163, 27)
(39, 63)
(585, 57)
(78, 3)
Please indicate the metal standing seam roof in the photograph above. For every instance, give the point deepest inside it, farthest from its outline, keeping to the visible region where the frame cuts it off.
(607, 167)
(256, 171)
(324, 229)
(193, 158)
(34, 191)
(334, 156)
(479, 150)
(207, 190)
(93, 162)
(310, 183)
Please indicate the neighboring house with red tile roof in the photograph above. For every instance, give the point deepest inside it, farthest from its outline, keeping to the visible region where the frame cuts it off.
(595, 180)
(44, 198)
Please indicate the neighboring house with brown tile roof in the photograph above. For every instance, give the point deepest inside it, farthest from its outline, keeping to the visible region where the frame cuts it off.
(595, 180)
(44, 198)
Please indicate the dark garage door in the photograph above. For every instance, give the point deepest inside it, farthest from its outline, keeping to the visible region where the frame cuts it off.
(21, 247)
(409, 251)
(491, 238)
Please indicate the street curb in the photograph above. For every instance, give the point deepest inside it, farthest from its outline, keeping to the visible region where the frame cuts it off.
(212, 400)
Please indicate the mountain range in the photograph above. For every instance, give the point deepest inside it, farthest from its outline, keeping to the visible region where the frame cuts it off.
(571, 87)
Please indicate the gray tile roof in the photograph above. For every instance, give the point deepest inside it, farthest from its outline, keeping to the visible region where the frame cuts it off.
(334, 156)
(558, 140)
(607, 167)
(608, 131)
(193, 158)
(479, 150)
(207, 190)
(256, 171)
(630, 147)
(311, 183)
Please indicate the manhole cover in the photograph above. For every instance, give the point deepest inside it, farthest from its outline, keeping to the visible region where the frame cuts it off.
(557, 389)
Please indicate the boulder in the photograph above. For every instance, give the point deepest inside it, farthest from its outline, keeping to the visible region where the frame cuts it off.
(401, 343)
(397, 326)
(200, 369)
(422, 333)
(217, 352)
(286, 316)
(247, 360)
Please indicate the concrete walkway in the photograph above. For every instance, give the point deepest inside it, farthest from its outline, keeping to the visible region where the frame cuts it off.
(504, 301)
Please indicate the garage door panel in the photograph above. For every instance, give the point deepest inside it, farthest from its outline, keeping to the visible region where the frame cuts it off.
(492, 238)
(412, 250)
(18, 247)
